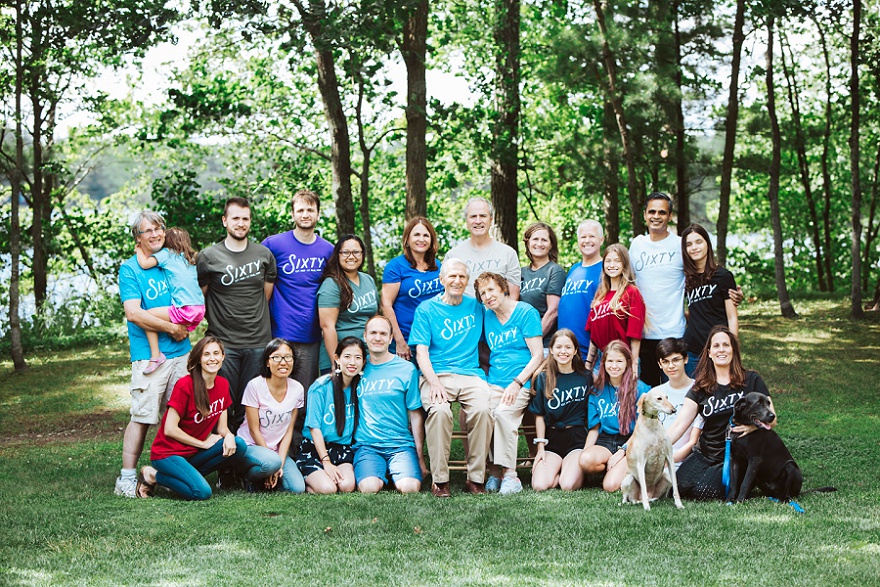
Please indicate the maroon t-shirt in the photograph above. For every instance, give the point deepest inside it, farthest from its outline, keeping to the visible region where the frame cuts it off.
(191, 420)
(605, 326)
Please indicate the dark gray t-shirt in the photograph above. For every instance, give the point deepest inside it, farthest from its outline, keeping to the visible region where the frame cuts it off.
(538, 284)
(235, 303)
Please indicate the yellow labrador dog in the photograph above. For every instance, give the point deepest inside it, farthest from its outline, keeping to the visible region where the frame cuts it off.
(650, 468)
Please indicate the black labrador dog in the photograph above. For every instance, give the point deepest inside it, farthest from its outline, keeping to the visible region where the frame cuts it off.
(760, 458)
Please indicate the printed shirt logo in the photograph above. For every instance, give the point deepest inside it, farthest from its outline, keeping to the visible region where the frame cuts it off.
(503, 338)
(296, 264)
(607, 409)
(375, 386)
(646, 260)
(217, 406)
(235, 274)
(425, 288)
(362, 301)
(330, 415)
(269, 418)
(701, 294)
(715, 405)
(562, 398)
(155, 288)
(602, 311)
(459, 327)
(577, 286)
(477, 267)
(535, 284)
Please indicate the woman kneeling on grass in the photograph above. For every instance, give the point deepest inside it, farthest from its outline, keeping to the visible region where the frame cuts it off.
(272, 402)
(325, 456)
(560, 408)
(611, 415)
(193, 438)
(720, 380)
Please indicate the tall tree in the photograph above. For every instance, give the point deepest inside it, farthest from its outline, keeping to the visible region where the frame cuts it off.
(414, 49)
(856, 303)
(785, 304)
(730, 123)
(823, 161)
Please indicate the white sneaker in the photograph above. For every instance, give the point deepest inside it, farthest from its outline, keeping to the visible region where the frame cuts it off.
(510, 485)
(126, 486)
(493, 484)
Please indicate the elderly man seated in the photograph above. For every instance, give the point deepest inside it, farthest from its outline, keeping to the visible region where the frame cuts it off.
(445, 332)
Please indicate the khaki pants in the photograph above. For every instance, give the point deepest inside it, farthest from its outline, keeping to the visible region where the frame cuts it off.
(507, 422)
(474, 396)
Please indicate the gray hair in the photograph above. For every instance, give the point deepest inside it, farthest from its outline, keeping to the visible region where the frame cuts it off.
(479, 199)
(140, 217)
(448, 263)
(591, 222)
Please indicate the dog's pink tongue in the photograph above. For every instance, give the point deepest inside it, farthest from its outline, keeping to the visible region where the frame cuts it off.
(760, 424)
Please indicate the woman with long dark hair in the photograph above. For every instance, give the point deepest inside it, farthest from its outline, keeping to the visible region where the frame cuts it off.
(707, 290)
(720, 380)
(347, 297)
(193, 438)
(325, 455)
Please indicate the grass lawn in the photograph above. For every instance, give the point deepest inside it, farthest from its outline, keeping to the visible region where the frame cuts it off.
(60, 524)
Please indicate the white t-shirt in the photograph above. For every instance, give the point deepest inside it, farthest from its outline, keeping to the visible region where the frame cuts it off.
(274, 415)
(497, 258)
(660, 279)
(676, 397)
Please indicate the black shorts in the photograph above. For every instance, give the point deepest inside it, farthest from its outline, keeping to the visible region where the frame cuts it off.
(562, 441)
(308, 462)
(611, 441)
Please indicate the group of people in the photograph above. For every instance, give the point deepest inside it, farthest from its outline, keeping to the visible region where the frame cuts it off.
(311, 379)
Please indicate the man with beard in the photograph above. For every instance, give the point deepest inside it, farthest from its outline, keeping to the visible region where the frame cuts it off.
(237, 276)
(301, 256)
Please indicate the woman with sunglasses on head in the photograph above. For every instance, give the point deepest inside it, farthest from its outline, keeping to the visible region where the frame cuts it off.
(272, 402)
(347, 297)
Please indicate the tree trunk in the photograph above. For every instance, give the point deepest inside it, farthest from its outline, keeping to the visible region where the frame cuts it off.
(617, 104)
(800, 146)
(366, 155)
(773, 191)
(340, 142)
(730, 132)
(873, 229)
(681, 168)
(611, 179)
(856, 308)
(39, 262)
(18, 361)
(826, 145)
(506, 125)
(414, 50)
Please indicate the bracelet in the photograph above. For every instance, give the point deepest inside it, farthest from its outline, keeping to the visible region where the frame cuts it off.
(540, 441)
(325, 457)
(622, 447)
(518, 382)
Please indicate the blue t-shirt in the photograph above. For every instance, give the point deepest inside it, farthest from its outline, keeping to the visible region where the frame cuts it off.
(150, 288)
(602, 408)
(183, 279)
(415, 287)
(508, 351)
(321, 412)
(574, 304)
(451, 333)
(293, 306)
(386, 394)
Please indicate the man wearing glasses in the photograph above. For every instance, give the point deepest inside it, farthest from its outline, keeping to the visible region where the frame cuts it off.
(140, 290)
(237, 276)
(301, 256)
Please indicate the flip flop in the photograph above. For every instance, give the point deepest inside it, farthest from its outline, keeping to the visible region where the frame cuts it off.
(144, 489)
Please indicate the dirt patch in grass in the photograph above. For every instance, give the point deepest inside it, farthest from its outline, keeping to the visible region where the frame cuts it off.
(97, 426)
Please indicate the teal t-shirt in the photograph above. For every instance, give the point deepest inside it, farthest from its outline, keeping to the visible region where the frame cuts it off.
(509, 352)
(321, 412)
(352, 320)
(386, 394)
(183, 279)
(603, 407)
(451, 333)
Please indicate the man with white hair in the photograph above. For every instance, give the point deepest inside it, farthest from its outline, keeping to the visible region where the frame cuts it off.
(581, 283)
(445, 333)
(483, 253)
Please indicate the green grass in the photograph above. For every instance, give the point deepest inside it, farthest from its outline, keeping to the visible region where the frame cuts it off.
(60, 446)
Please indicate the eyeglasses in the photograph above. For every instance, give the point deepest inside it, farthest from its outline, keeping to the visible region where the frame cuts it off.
(671, 362)
(152, 231)
(347, 254)
(281, 358)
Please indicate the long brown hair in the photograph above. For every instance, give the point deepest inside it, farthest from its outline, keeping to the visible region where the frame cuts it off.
(431, 253)
(553, 255)
(194, 368)
(705, 377)
(550, 367)
(626, 393)
(334, 270)
(627, 280)
(693, 278)
(177, 239)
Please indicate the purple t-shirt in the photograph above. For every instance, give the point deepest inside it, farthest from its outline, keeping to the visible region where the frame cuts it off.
(294, 306)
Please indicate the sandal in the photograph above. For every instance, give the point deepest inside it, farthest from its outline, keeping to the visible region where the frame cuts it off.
(154, 364)
(144, 489)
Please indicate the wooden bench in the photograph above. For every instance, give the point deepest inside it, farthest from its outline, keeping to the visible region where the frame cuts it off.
(527, 429)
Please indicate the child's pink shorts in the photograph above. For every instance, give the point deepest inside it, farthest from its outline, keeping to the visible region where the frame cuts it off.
(189, 316)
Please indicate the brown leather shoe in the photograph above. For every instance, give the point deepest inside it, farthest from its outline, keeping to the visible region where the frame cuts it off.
(440, 490)
(475, 488)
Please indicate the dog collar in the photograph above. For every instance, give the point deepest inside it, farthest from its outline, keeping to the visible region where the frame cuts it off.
(650, 416)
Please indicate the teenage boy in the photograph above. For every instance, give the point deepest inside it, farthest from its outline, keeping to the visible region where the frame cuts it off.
(672, 356)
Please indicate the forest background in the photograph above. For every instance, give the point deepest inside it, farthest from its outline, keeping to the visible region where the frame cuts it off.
(761, 119)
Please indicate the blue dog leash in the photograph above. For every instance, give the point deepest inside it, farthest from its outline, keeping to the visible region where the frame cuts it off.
(725, 471)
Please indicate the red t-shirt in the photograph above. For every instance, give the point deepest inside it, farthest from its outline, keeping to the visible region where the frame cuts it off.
(191, 420)
(605, 326)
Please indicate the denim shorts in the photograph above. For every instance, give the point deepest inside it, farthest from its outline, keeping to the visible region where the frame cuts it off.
(400, 462)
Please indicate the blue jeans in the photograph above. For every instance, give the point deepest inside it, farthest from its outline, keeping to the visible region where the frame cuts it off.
(185, 476)
(691, 367)
(239, 367)
(261, 462)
